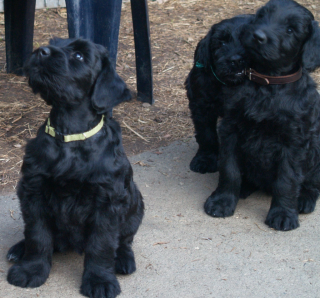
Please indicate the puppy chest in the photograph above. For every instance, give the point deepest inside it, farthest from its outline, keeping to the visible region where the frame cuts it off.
(70, 213)
(263, 145)
(70, 206)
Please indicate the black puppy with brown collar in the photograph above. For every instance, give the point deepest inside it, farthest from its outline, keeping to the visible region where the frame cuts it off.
(77, 190)
(270, 135)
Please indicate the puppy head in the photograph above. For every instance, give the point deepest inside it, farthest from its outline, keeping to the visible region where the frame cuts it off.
(69, 71)
(222, 51)
(277, 35)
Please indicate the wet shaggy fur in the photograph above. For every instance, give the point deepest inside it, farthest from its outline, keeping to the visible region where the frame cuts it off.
(78, 195)
(222, 62)
(270, 135)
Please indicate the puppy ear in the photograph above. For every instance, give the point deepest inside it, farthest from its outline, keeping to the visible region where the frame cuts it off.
(109, 89)
(202, 53)
(311, 49)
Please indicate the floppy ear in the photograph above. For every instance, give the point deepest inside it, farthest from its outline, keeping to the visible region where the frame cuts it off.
(109, 89)
(202, 53)
(311, 49)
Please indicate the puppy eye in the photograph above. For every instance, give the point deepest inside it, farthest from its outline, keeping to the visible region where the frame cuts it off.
(78, 56)
(222, 43)
(289, 30)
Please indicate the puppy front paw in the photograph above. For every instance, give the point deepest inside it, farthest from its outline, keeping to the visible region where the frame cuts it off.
(282, 219)
(30, 274)
(99, 286)
(204, 163)
(220, 205)
(125, 263)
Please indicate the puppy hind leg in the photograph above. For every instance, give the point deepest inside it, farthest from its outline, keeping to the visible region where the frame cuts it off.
(206, 158)
(307, 199)
(125, 262)
(16, 252)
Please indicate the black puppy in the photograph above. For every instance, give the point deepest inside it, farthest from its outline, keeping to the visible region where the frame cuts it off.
(219, 64)
(77, 190)
(270, 135)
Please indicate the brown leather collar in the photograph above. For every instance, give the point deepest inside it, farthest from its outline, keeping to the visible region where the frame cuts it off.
(268, 80)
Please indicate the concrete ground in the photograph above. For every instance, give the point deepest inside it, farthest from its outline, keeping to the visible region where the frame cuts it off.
(181, 251)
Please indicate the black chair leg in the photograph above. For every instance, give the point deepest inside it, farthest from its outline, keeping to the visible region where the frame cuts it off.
(143, 50)
(97, 20)
(80, 21)
(107, 24)
(19, 25)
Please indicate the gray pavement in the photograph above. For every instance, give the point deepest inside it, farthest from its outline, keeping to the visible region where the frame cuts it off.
(182, 252)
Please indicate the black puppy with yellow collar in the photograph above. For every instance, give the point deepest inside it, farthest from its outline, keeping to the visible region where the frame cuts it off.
(77, 190)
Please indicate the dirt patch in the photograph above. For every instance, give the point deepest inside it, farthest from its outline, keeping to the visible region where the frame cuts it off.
(176, 27)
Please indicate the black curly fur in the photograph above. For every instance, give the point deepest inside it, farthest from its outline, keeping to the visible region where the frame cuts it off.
(222, 61)
(78, 195)
(270, 135)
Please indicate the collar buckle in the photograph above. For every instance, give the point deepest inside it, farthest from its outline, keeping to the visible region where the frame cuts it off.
(248, 73)
(59, 136)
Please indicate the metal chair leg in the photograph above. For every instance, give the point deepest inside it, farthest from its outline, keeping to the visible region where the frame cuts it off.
(99, 21)
(80, 19)
(19, 25)
(96, 20)
(143, 50)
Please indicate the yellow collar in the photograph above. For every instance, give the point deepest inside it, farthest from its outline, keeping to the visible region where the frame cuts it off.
(75, 137)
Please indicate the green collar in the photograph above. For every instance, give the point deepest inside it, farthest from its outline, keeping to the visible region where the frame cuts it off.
(75, 137)
(200, 65)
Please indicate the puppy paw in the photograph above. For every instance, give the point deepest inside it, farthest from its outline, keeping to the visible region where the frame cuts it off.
(282, 219)
(221, 205)
(16, 252)
(307, 201)
(97, 286)
(204, 163)
(30, 274)
(125, 263)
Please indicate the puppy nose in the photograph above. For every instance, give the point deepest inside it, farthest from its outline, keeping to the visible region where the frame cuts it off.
(44, 51)
(236, 60)
(260, 36)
